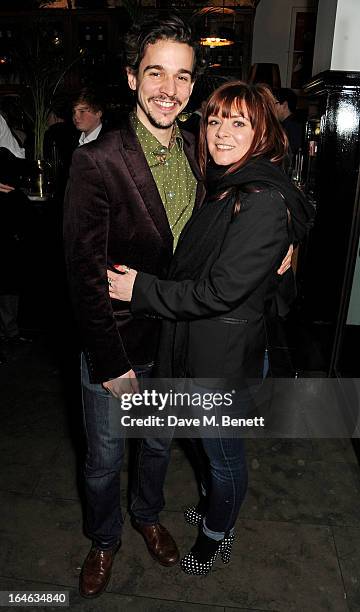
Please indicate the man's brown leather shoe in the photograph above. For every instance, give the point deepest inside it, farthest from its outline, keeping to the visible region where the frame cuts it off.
(160, 543)
(96, 571)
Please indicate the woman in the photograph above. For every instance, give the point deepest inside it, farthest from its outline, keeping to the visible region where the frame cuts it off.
(222, 274)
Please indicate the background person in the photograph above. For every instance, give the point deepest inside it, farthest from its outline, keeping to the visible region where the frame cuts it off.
(223, 272)
(286, 103)
(13, 221)
(87, 111)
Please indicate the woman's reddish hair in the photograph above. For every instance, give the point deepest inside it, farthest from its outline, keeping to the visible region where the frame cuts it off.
(269, 139)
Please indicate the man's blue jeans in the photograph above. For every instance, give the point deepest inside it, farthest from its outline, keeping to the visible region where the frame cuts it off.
(105, 452)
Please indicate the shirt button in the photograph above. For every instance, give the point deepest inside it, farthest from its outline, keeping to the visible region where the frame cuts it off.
(171, 194)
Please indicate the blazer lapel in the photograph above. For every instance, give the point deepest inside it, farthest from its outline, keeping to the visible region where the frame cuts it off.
(144, 181)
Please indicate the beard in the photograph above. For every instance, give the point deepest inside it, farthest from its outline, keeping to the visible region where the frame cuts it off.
(162, 124)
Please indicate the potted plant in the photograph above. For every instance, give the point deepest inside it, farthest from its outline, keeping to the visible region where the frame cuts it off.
(41, 68)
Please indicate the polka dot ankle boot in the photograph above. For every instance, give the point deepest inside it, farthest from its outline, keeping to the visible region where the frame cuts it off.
(201, 558)
(195, 514)
(192, 516)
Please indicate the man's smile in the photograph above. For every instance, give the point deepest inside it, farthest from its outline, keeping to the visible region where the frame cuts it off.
(164, 104)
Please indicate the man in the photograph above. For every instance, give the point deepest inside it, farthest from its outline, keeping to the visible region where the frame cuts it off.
(88, 111)
(12, 208)
(129, 196)
(285, 108)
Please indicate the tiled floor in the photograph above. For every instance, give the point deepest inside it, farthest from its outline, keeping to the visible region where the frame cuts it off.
(298, 536)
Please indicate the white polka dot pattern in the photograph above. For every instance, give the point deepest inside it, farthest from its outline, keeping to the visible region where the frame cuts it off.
(192, 516)
(191, 565)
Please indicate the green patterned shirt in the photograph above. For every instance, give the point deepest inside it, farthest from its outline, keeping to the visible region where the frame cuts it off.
(172, 174)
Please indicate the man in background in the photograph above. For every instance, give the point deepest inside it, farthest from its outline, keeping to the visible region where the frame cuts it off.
(87, 114)
(286, 102)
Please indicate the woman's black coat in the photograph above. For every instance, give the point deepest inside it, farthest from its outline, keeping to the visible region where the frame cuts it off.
(222, 274)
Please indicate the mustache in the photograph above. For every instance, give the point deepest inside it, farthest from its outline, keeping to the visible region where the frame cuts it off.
(166, 99)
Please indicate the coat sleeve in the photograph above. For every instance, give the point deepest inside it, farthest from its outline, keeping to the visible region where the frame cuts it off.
(252, 249)
(86, 225)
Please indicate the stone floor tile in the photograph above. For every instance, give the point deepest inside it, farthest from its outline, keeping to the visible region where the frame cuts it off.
(23, 458)
(35, 377)
(275, 566)
(236, 609)
(307, 492)
(347, 541)
(108, 602)
(330, 450)
(118, 603)
(36, 413)
(60, 478)
(279, 447)
(334, 451)
(41, 540)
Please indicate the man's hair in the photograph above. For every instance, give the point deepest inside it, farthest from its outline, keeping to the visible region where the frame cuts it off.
(91, 97)
(287, 95)
(146, 33)
(269, 138)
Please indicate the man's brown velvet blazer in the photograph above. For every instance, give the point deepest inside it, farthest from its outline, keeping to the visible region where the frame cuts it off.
(113, 214)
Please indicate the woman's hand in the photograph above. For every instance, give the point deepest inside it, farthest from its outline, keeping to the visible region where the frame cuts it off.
(121, 285)
(286, 262)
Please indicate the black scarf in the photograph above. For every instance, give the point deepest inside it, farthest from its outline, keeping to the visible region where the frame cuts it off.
(260, 173)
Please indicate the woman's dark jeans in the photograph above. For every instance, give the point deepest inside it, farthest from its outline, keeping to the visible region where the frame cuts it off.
(222, 471)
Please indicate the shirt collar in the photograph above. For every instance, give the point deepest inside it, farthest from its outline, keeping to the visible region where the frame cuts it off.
(144, 135)
(92, 136)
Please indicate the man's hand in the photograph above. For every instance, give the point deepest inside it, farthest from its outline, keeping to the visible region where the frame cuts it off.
(6, 188)
(286, 262)
(127, 383)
